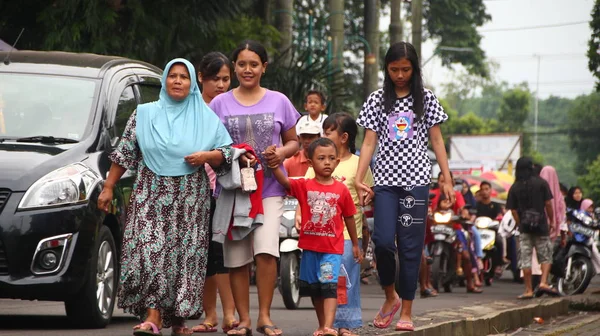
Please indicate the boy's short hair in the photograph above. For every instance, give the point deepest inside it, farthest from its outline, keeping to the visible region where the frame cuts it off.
(315, 92)
(320, 142)
(485, 183)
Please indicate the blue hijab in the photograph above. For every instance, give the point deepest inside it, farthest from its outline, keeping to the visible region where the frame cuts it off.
(168, 130)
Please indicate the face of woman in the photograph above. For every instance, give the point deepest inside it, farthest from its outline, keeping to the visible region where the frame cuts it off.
(178, 82)
(214, 86)
(577, 195)
(465, 188)
(249, 69)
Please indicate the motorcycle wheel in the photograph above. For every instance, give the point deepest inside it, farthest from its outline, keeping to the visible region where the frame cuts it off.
(582, 271)
(290, 272)
(437, 274)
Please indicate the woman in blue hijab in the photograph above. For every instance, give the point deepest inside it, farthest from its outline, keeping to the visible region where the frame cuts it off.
(165, 243)
(468, 195)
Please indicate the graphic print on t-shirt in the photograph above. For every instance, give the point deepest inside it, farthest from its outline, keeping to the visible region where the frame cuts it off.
(400, 125)
(254, 129)
(323, 210)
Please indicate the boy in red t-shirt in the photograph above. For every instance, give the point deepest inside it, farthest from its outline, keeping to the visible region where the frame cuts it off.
(326, 204)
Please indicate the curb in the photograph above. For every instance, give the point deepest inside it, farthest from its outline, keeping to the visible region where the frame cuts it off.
(494, 323)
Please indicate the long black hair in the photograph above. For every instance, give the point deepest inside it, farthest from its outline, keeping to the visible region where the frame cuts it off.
(253, 46)
(398, 51)
(343, 122)
(524, 170)
(211, 64)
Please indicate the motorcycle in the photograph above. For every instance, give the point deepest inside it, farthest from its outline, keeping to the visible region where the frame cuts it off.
(510, 232)
(443, 250)
(579, 269)
(290, 254)
(488, 229)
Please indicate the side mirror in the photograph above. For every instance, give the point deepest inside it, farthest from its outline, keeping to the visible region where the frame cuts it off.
(114, 141)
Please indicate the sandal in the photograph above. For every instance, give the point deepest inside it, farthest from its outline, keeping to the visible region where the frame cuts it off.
(247, 331)
(181, 330)
(230, 326)
(263, 330)
(206, 327)
(428, 293)
(551, 291)
(346, 332)
(153, 331)
(525, 297)
(475, 290)
(405, 326)
(383, 325)
(329, 332)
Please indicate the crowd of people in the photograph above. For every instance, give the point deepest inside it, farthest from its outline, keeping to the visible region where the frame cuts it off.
(214, 165)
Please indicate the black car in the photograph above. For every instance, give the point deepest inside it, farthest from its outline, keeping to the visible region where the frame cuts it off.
(61, 114)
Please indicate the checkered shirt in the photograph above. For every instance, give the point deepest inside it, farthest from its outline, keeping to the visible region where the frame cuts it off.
(403, 162)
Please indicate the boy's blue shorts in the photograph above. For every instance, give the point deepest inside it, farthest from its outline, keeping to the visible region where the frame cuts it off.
(319, 274)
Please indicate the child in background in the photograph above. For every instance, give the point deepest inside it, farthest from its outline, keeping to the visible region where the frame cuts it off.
(326, 204)
(297, 165)
(341, 128)
(314, 104)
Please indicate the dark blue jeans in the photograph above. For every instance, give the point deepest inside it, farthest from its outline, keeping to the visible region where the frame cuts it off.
(400, 217)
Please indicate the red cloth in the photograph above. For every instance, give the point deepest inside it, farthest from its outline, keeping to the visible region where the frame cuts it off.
(255, 196)
(297, 165)
(456, 207)
(324, 208)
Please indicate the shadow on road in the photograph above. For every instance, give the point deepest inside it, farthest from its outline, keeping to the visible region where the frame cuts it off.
(48, 322)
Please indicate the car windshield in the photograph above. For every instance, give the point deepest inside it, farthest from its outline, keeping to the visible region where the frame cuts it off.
(43, 105)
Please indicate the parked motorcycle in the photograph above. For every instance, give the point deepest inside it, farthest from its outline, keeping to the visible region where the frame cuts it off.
(579, 267)
(443, 250)
(290, 254)
(488, 229)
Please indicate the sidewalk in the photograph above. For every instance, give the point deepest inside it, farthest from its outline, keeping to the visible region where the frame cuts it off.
(576, 315)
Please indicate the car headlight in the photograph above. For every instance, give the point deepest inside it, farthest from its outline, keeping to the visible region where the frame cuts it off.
(67, 185)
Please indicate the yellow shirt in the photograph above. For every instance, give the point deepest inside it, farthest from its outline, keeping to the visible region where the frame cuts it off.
(346, 172)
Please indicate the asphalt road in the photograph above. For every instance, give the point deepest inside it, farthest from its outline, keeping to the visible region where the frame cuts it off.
(47, 318)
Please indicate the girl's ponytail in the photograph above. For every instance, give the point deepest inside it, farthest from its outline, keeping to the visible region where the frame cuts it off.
(343, 122)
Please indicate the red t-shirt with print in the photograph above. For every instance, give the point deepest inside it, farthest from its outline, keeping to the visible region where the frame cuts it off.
(324, 208)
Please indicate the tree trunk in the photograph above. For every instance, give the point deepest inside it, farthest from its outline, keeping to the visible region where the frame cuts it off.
(417, 25)
(395, 21)
(336, 27)
(264, 11)
(371, 68)
(284, 21)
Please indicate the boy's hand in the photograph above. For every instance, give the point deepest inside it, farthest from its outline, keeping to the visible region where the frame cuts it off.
(365, 193)
(274, 156)
(358, 255)
(298, 223)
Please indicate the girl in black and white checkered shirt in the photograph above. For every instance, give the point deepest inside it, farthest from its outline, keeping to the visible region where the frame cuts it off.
(399, 117)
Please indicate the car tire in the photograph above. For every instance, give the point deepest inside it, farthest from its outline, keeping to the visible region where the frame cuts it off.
(85, 309)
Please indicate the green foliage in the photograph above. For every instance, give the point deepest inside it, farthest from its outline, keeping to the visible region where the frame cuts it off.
(155, 31)
(454, 23)
(590, 181)
(514, 110)
(594, 44)
(584, 130)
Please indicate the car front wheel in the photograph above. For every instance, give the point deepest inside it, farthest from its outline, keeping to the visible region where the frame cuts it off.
(93, 306)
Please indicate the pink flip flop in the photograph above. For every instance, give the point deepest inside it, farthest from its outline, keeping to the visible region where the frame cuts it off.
(382, 325)
(405, 326)
(153, 331)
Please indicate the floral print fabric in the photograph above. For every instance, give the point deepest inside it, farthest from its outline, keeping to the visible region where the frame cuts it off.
(165, 244)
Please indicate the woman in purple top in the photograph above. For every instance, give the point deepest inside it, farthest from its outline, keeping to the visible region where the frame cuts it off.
(260, 118)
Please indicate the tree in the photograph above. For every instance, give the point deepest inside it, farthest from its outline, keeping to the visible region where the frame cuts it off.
(590, 180)
(454, 24)
(593, 52)
(514, 110)
(584, 130)
(372, 34)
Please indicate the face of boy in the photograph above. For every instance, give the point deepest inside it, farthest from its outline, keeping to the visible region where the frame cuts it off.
(306, 140)
(313, 105)
(324, 161)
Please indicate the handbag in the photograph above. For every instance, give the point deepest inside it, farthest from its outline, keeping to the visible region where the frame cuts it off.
(531, 219)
